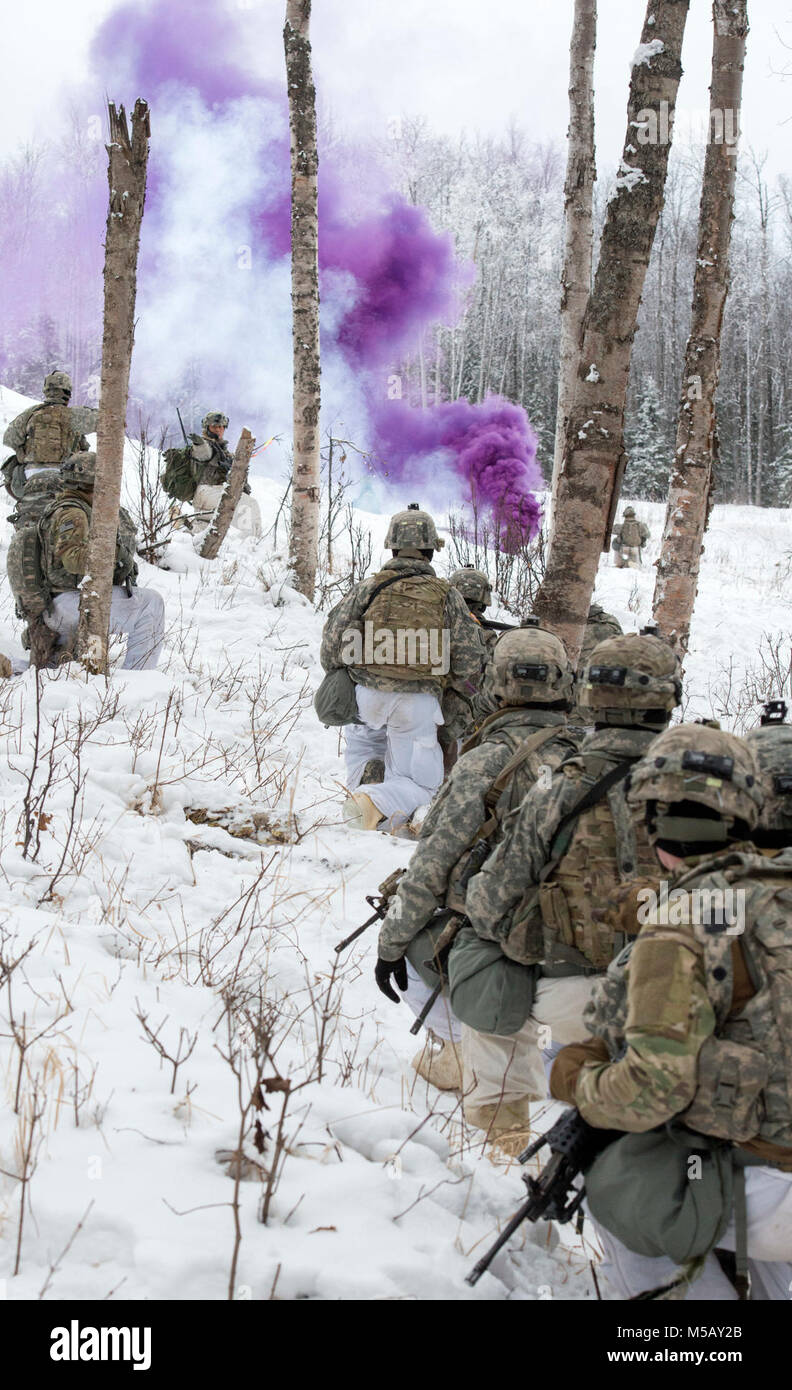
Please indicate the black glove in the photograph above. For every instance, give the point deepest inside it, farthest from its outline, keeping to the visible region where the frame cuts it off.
(247, 488)
(383, 971)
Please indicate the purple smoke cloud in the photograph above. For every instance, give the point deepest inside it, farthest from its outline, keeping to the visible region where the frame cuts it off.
(490, 447)
(387, 274)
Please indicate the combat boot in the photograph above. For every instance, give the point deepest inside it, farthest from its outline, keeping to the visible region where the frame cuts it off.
(440, 1063)
(360, 813)
(506, 1124)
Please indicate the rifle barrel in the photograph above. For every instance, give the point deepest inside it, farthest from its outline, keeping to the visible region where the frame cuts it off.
(506, 1234)
(427, 1008)
(353, 936)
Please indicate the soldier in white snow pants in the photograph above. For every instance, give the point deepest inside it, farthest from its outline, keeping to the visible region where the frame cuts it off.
(402, 730)
(140, 617)
(246, 518)
(768, 1199)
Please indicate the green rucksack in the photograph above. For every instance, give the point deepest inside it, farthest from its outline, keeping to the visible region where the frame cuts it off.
(177, 478)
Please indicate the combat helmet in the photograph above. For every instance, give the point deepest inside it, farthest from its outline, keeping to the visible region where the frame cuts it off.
(629, 511)
(214, 417)
(473, 585)
(529, 666)
(57, 386)
(771, 745)
(700, 787)
(79, 470)
(630, 680)
(413, 530)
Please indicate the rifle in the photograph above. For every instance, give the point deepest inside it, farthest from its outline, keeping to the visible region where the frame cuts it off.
(183, 430)
(380, 902)
(495, 626)
(552, 1196)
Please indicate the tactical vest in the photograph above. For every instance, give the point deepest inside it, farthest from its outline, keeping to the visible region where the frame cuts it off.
(744, 1071)
(631, 533)
(406, 620)
(215, 471)
(50, 436)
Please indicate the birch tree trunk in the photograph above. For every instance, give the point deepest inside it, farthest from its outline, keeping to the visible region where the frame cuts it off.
(581, 176)
(232, 491)
(593, 459)
(690, 492)
(304, 537)
(126, 171)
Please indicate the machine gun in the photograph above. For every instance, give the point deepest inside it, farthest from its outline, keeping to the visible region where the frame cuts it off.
(552, 1196)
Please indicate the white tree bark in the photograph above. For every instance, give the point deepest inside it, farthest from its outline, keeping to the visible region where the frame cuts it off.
(689, 497)
(304, 536)
(581, 176)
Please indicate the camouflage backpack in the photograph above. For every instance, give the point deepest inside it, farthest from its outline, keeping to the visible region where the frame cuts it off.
(34, 574)
(177, 478)
(407, 618)
(630, 532)
(744, 1070)
(50, 434)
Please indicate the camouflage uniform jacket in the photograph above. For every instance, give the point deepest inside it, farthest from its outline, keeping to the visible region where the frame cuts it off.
(64, 531)
(210, 461)
(465, 650)
(495, 892)
(458, 812)
(17, 435)
(697, 1021)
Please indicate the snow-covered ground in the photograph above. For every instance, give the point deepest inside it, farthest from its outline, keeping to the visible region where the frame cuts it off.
(132, 920)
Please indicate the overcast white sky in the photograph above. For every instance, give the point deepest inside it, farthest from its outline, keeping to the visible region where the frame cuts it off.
(465, 64)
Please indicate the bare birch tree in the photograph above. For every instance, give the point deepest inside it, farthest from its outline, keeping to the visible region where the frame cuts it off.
(593, 458)
(581, 174)
(126, 171)
(690, 493)
(304, 537)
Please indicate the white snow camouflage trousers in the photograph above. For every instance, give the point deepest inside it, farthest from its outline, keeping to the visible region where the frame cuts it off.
(246, 518)
(140, 618)
(768, 1199)
(402, 730)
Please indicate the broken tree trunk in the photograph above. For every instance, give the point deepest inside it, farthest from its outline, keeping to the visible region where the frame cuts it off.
(232, 491)
(304, 536)
(126, 170)
(593, 459)
(690, 491)
(581, 176)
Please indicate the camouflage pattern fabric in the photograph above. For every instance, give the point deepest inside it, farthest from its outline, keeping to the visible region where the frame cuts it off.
(599, 625)
(64, 531)
(772, 747)
(667, 1005)
(413, 529)
(463, 709)
(73, 422)
(465, 649)
(631, 533)
(458, 812)
(495, 895)
(210, 460)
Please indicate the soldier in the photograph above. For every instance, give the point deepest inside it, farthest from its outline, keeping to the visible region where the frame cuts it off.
(460, 710)
(528, 684)
(692, 1046)
(599, 625)
(403, 636)
(771, 745)
(45, 435)
(199, 476)
(47, 560)
(541, 896)
(629, 538)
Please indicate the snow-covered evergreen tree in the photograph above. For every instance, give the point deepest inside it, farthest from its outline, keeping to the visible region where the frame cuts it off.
(649, 440)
